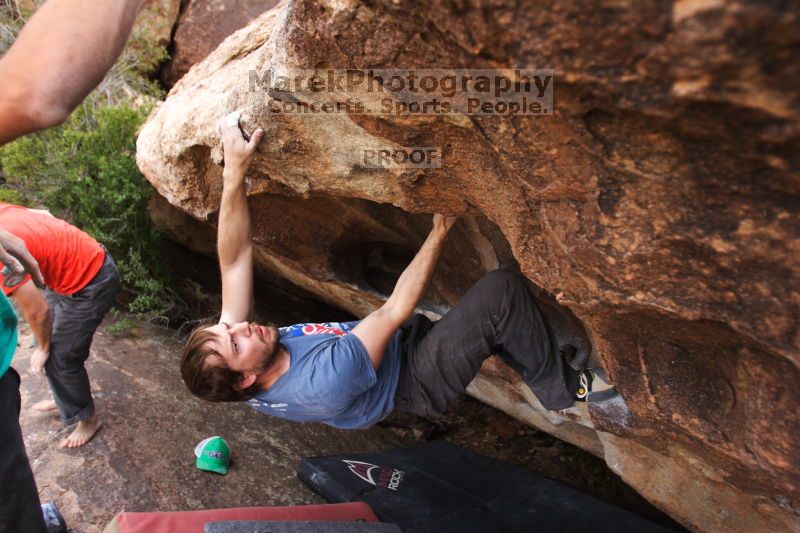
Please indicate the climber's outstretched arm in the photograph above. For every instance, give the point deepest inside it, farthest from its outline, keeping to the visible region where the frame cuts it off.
(62, 53)
(234, 238)
(377, 329)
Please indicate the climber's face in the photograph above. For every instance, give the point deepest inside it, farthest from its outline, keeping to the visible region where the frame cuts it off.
(244, 347)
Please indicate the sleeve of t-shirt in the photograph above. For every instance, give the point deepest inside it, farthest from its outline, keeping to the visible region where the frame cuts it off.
(343, 370)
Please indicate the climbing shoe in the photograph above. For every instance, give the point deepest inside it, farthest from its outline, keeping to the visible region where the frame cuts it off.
(585, 379)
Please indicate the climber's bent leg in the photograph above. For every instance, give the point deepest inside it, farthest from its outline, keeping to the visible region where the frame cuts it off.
(497, 315)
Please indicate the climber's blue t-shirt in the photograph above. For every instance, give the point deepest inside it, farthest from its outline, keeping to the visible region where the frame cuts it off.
(331, 378)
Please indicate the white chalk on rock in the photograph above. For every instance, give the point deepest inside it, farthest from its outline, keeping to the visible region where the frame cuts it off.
(232, 120)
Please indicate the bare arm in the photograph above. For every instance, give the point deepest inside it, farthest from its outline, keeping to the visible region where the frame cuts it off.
(59, 57)
(14, 254)
(377, 329)
(36, 313)
(234, 236)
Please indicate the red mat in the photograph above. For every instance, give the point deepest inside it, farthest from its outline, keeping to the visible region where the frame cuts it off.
(193, 521)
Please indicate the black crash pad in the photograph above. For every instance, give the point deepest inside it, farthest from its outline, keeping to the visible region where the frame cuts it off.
(437, 487)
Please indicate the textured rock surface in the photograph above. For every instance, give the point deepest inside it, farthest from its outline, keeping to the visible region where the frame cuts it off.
(202, 26)
(157, 19)
(658, 204)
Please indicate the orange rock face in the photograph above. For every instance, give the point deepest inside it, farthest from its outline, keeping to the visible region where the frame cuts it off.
(658, 204)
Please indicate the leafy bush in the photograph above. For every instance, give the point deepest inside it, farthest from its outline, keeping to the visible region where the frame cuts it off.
(12, 196)
(85, 171)
(121, 322)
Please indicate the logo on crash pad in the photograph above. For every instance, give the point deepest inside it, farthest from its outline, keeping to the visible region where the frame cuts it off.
(379, 476)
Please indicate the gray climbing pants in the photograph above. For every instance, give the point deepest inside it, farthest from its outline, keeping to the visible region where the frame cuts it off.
(498, 315)
(75, 319)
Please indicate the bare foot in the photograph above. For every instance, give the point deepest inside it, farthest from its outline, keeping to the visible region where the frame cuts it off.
(44, 405)
(83, 433)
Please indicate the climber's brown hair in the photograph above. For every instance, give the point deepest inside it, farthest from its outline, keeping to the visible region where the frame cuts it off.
(215, 383)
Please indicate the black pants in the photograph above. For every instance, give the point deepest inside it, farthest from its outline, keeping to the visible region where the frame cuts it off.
(75, 319)
(498, 315)
(19, 500)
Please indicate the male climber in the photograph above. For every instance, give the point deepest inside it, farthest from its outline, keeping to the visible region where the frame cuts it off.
(352, 375)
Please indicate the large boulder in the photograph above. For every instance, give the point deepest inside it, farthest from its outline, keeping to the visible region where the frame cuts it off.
(202, 26)
(656, 208)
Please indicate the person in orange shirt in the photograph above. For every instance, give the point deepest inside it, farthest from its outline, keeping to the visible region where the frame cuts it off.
(82, 282)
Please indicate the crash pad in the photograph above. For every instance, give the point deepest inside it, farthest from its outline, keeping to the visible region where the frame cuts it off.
(437, 487)
(195, 521)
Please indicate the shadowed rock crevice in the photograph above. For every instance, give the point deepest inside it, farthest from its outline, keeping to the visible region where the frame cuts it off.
(372, 266)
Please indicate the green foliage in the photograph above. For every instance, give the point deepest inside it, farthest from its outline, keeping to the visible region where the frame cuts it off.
(122, 323)
(12, 196)
(85, 171)
(129, 80)
(148, 281)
